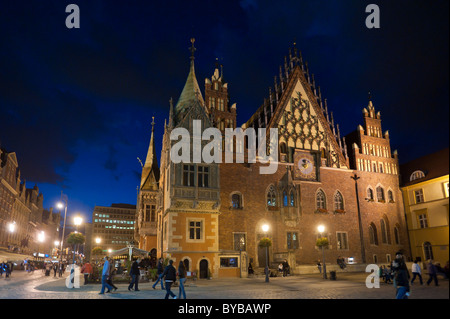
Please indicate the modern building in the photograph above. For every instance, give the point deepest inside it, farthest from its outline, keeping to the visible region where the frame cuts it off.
(113, 226)
(210, 214)
(425, 195)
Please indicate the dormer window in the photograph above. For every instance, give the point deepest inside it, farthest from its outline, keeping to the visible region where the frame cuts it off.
(216, 86)
(416, 175)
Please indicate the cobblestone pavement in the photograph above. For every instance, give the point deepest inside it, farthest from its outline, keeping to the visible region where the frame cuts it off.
(347, 286)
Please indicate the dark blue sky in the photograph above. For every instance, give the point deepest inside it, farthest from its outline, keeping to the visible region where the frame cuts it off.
(76, 104)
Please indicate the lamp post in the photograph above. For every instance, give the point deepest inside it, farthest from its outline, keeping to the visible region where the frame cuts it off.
(12, 229)
(361, 235)
(265, 229)
(60, 205)
(321, 229)
(77, 220)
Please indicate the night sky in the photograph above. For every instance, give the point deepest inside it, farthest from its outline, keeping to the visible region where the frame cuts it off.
(76, 104)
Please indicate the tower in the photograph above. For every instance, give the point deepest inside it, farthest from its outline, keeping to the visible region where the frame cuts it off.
(218, 101)
(147, 196)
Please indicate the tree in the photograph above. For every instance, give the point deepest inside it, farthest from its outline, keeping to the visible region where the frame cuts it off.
(97, 251)
(75, 239)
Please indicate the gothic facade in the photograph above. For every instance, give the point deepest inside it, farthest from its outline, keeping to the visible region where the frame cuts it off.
(210, 215)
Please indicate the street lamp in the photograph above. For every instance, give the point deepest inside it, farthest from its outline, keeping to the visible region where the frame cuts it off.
(98, 240)
(40, 238)
(60, 205)
(321, 229)
(12, 227)
(265, 229)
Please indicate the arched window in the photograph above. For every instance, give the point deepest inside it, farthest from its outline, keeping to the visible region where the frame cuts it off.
(427, 250)
(292, 198)
(373, 237)
(384, 233)
(390, 196)
(338, 201)
(320, 200)
(283, 148)
(271, 197)
(236, 201)
(380, 194)
(416, 175)
(397, 235)
(285, 198)
(370, 194)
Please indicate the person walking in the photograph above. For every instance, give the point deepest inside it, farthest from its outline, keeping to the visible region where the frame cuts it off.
(401, 277)
(105, 274)
(159, 273)
(2, 269)
(182, 276)
(55, 268)
(170, 276)
(134, 273)
(112, 273)
(60, 269)
(87, 271)
(416, 271)
(432, 272)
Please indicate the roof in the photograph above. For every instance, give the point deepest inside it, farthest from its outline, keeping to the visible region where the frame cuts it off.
(432, 165)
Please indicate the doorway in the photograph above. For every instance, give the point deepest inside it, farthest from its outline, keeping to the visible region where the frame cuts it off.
(203, 269)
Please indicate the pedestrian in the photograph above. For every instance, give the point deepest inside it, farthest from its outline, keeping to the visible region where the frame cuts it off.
(160, 274)
(182, 276)
(280, 269)
(285, 268)
(2, 269)
(387, 274)
(61, 269)
(134, 273)
(319, 266)
(55, 268)
(112, 273)
(87, 271)
(170, 276)
(7, 270)
(432, 273)
(401, 277)
(416, 271)
(105, 274)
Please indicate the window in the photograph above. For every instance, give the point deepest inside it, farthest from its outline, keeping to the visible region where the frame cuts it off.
(227, 262)
(152, 213)
(380, 194)
(416, 175)
(240, 242)
(292, 240)
(388, 258)
(292, 198)
(342, 242)
(423, 220)
(397, 235)
(427, 250)
(285, 199)
(271, 197)
(195, 230)
(338, 201)
(375, 259)
(188, 175)
(384, 231)
(203, 176)
(445, 189)
(320, 200)
(236, 201)
(370, 194)
(418, 195)
(147, 213)
(390, 196)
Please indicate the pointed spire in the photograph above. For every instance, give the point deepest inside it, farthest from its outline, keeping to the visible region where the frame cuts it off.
(150, 169)
(191, 92)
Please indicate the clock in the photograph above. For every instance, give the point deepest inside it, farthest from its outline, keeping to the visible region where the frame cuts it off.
(306, 166)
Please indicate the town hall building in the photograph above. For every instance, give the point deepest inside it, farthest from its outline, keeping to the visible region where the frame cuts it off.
(211, 215)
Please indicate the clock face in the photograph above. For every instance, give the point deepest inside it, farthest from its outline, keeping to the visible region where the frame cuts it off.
(305, 166)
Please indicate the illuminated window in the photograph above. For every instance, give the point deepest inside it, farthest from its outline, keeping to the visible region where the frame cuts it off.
(292, 240)
(418, 195)
(320, 200)
(271, 197)
(416, 175)
(342, 242)
(240, 243)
